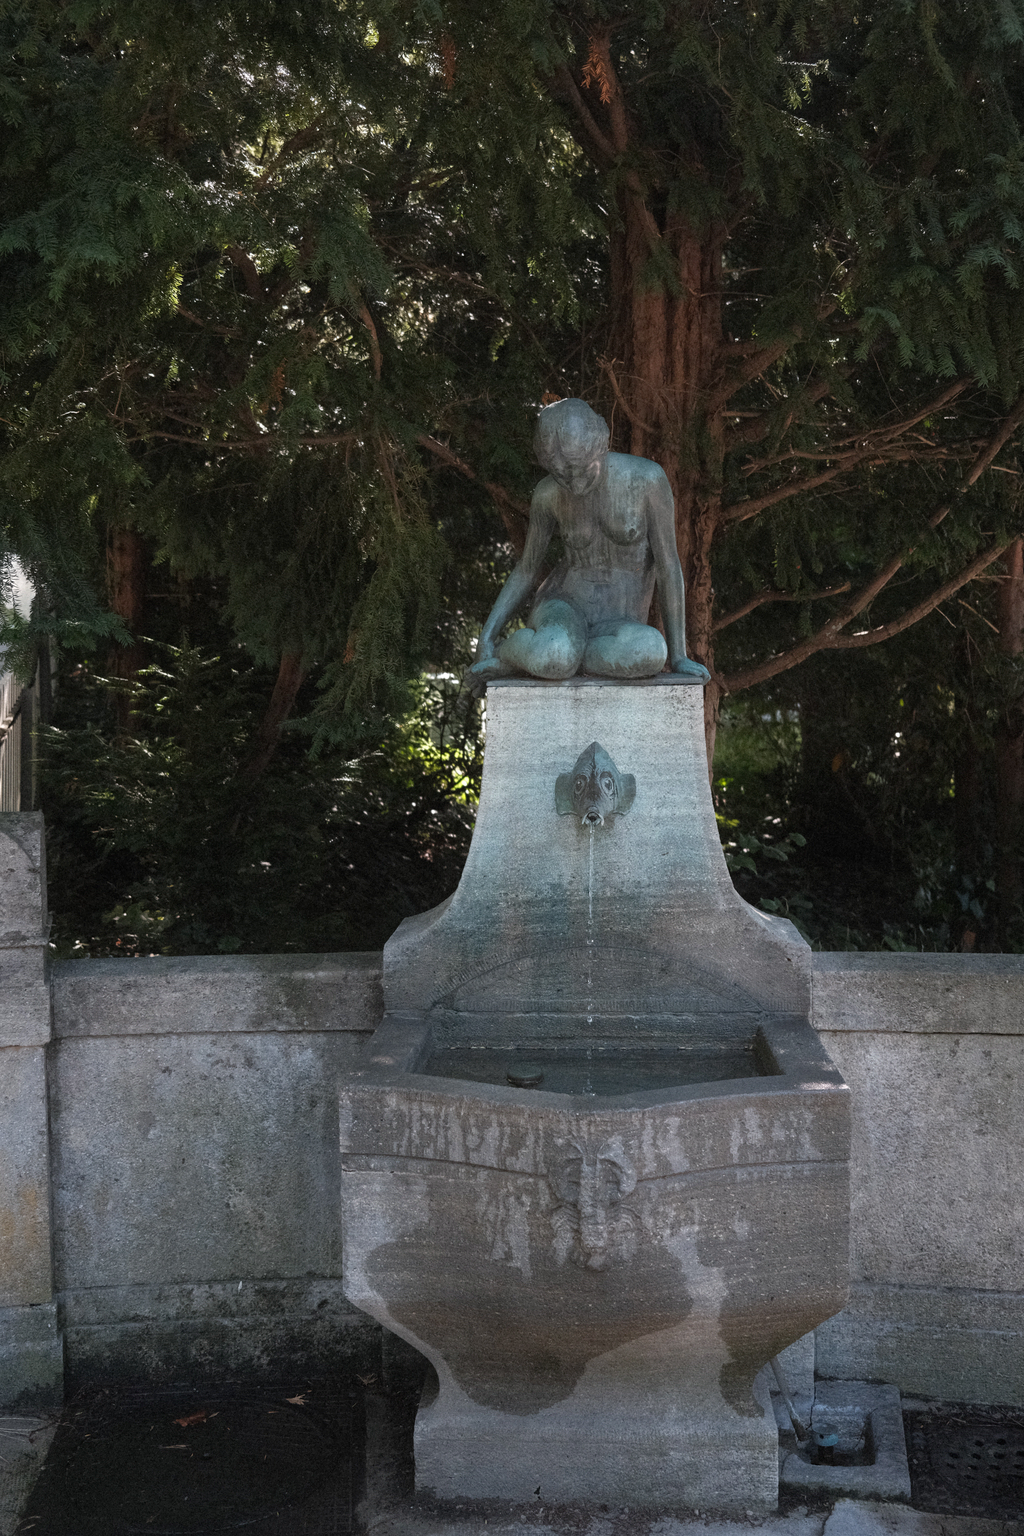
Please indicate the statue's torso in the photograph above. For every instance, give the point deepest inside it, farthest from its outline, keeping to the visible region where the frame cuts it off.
(608, 569)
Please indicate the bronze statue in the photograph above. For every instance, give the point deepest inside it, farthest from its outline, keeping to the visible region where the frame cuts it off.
(616, 517)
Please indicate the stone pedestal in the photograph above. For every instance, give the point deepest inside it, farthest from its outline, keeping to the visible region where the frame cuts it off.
(597, 1277)
(639, 919)
(31, 1368)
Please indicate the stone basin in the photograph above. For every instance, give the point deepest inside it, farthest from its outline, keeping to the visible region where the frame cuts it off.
(605, 1069)
(597, 1279)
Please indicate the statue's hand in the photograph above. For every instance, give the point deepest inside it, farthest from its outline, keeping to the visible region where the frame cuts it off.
(482, 672)
(685, 666)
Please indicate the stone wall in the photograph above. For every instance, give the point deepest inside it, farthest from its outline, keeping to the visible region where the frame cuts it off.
(30, 1353)
(932, 1047)
(195, 1161)
(178, 1117)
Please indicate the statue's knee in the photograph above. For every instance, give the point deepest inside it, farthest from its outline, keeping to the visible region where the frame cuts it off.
(654, 650)
(555, 653)
(633, 650)
(550, 653)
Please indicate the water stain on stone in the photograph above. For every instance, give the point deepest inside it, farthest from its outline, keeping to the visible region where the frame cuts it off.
(514, 1342)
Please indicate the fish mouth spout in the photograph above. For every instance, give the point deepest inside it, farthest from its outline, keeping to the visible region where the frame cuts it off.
(592, 818)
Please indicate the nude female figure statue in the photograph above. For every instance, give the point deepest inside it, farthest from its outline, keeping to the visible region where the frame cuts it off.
(617, 520)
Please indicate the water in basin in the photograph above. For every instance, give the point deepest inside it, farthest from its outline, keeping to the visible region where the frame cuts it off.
(605, 1068)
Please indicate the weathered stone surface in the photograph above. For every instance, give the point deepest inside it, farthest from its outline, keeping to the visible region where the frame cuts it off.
(167, 1333)
(31, 1359)
(201, 994)
(539, 1520)
(24, 994)
(665, 935)
(961, 1345)
(184, 1158)
(919, 994)
(859, 1518)
(25, 1273)
(933, 1049)
(23, 914)
(597, 1281)
(928, 1212)
(24, 1443)
(580, 1274)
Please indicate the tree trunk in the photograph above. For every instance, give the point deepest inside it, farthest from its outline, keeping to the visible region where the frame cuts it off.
(126, 594)
(1010, 753)
(668, 349)
(967, 823)
(290, 676)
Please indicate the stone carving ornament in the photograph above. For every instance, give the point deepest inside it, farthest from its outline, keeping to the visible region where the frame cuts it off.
(616, 517)
(589, 1180)
(595, 790)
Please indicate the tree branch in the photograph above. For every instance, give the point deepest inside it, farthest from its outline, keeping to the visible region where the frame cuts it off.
(828, 637)
(607, 366)
(375, 353)
(860, 443)
(775, 597)
(739, 511)
(757, 358)
(600, 147)
(290, 675)
(250, 275)
(513, 513)
(299, 140)
(922, 609)
(759, 423)
(600, 53)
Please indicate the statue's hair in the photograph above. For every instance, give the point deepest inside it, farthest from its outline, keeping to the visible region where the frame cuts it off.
(569, 419)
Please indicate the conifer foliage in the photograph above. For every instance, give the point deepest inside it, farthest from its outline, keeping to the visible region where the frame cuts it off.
(278, 278)
(243, 276)
(282, 285)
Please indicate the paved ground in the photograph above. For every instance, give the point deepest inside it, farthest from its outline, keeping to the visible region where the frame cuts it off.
(849, 1517)
(23, 1447)
(25, 1442)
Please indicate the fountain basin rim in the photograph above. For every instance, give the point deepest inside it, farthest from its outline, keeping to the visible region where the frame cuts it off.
(404, 1041)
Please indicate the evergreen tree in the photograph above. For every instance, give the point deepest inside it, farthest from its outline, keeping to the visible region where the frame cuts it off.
(812, 219)
(275, 281)
(250, 259)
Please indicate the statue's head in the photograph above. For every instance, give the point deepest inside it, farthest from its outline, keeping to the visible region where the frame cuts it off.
(570, 442)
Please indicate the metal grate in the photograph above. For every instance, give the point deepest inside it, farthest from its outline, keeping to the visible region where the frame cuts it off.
(967, 1461)
(278, 1461)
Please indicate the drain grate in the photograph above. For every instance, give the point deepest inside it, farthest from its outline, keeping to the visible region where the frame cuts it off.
(277, 1461)
(967, 1461)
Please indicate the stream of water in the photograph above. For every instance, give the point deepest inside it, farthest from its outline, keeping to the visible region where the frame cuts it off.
(588, 1086)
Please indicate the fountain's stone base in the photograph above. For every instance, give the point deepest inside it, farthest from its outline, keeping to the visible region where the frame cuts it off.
(598, 1266)
(638, 1430)
(597, 1280)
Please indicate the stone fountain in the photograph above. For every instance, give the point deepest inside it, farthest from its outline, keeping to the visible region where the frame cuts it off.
(596, 1170)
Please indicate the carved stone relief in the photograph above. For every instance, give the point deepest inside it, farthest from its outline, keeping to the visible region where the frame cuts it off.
(590, 1181)
(595, 790)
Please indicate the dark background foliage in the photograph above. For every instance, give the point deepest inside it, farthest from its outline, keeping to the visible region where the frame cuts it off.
(281, 289)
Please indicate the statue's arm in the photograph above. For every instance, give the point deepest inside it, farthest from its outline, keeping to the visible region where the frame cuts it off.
(661, 531)
(523, 578)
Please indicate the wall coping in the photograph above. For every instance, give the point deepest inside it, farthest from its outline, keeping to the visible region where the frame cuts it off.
(869, 991)
(854, 991)
(216, 994)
